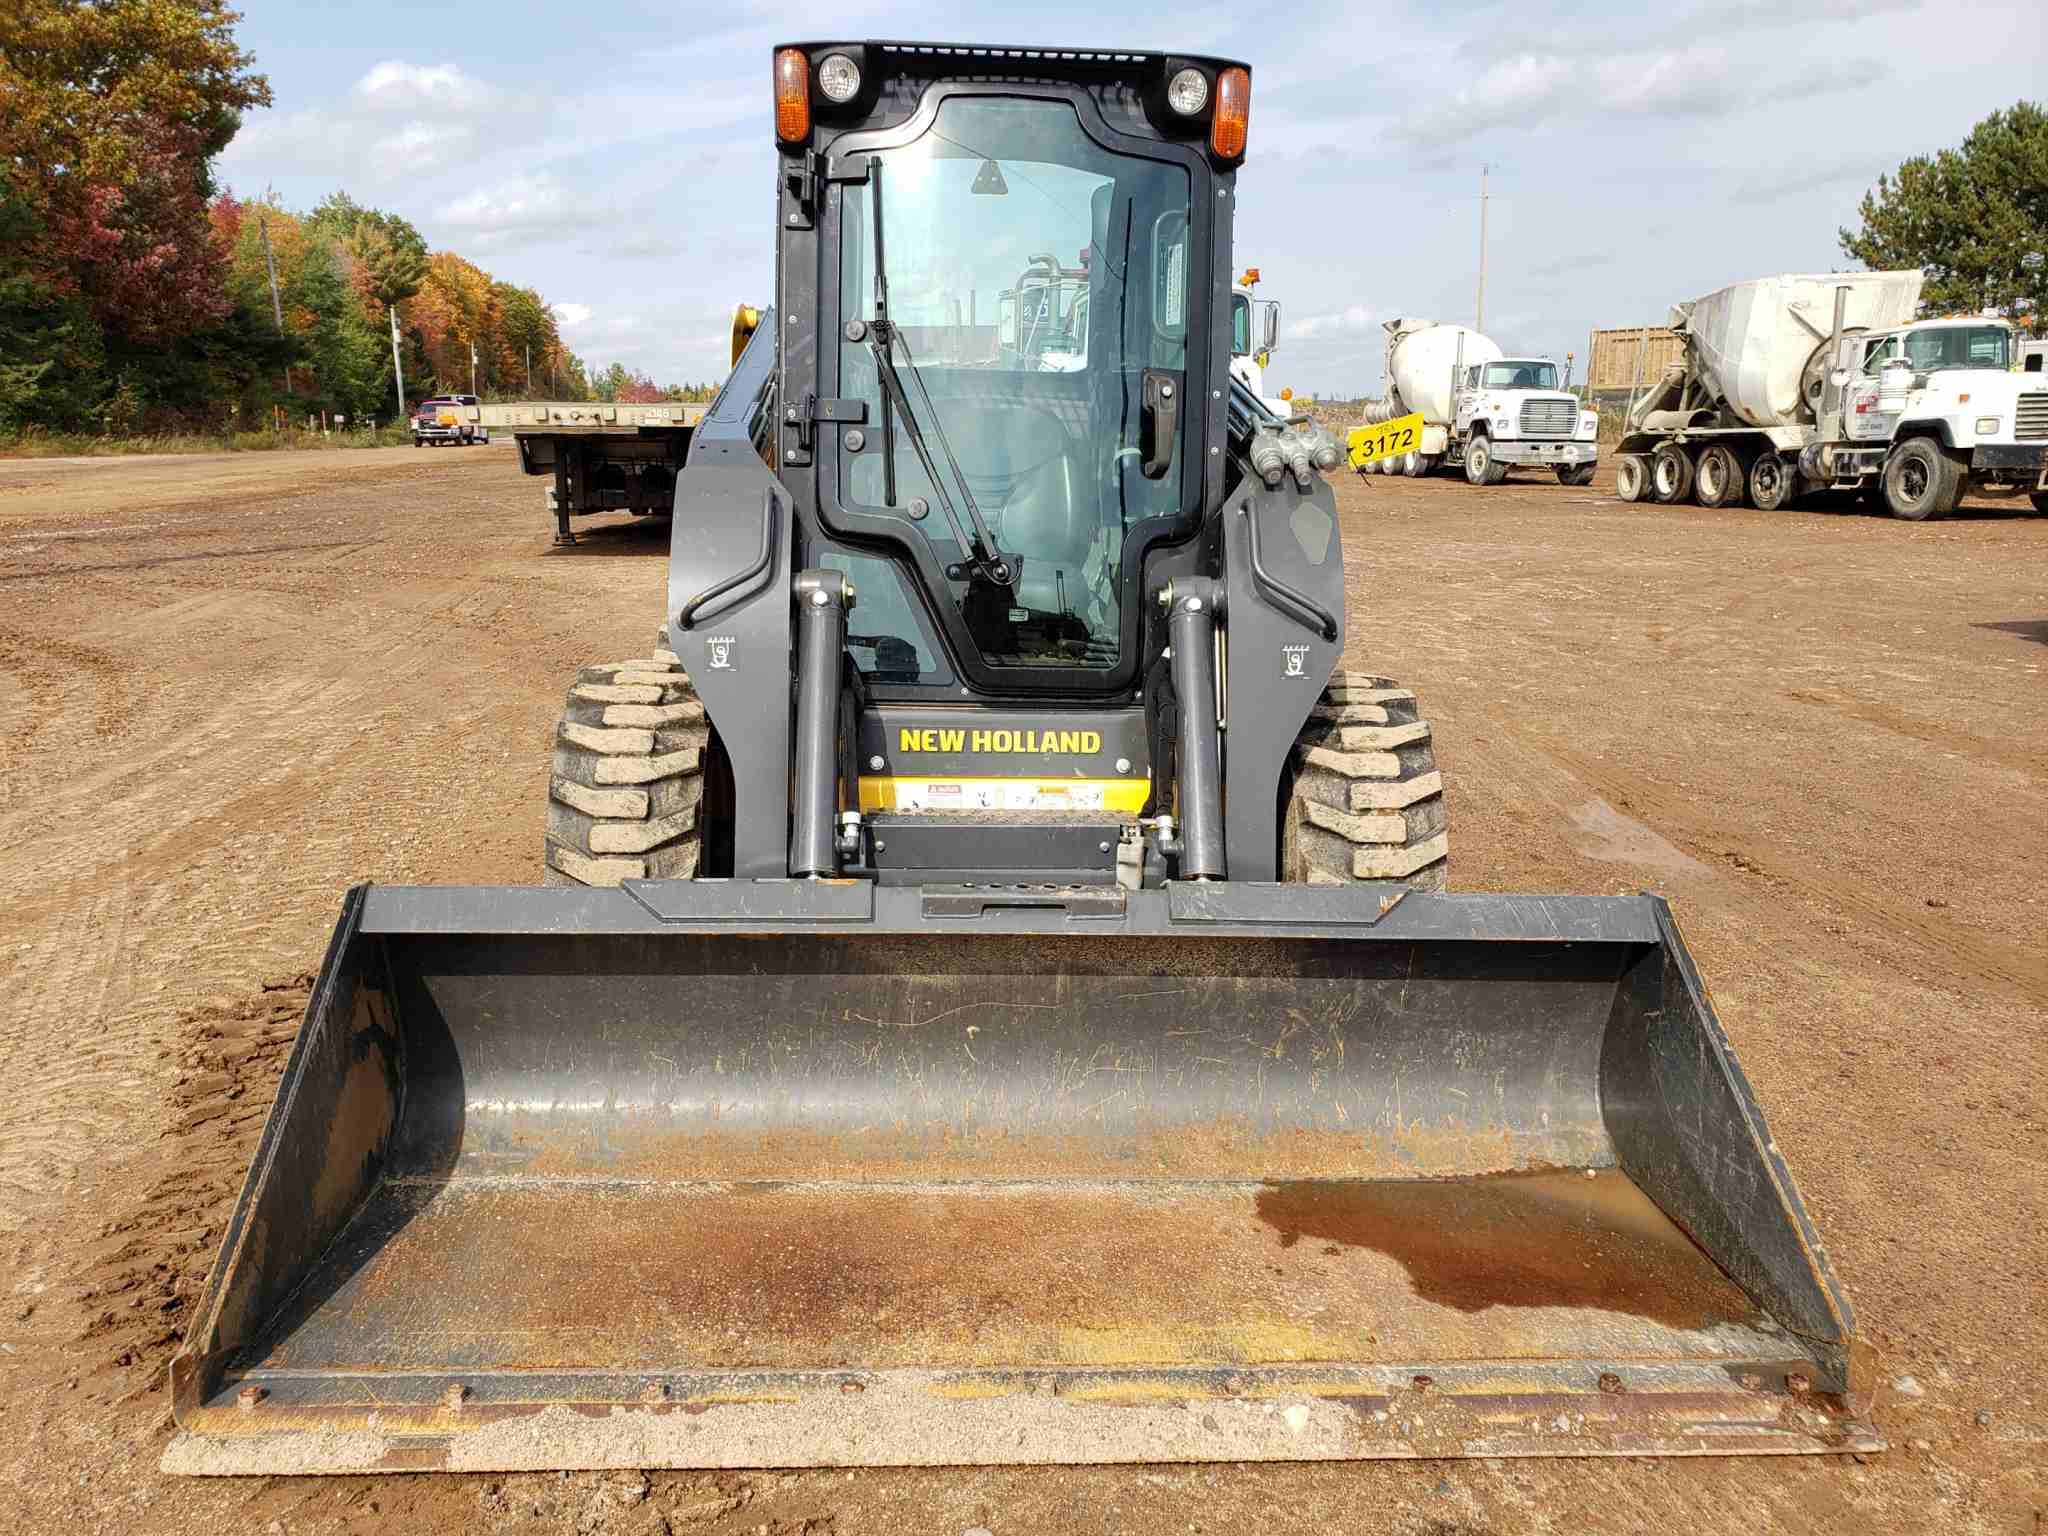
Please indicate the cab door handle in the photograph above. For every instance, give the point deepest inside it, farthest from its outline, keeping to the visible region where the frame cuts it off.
(1160, 427)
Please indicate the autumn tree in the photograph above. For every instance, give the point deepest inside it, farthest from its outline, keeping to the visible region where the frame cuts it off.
(526, 331)
(110, 116)
(1973, 218)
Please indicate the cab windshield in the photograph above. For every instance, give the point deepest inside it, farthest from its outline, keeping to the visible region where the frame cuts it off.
(1033, 279)
(1959, 346)
(1520, 375)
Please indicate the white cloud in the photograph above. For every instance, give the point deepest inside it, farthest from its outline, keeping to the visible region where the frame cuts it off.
(399, 121)
(571, 316)
(1354, 320)
(520, 208)
(398, 86)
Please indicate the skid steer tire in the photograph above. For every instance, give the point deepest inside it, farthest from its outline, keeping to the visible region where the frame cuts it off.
(1366, 801)
(627, 783)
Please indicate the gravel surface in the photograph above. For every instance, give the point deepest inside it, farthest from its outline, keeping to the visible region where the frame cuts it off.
(233, 685)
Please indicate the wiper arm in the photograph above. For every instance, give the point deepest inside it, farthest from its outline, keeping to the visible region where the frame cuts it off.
(980, 543)
(882, 329)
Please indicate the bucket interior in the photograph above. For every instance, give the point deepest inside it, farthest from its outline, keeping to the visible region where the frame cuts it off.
(713, 1166)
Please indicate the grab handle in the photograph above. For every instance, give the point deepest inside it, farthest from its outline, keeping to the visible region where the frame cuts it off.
(706, 605)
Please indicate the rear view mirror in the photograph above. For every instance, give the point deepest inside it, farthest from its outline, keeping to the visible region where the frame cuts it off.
(1269, 325)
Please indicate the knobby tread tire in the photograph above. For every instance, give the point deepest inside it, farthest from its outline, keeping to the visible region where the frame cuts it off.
(1366, 802)
(626, 785)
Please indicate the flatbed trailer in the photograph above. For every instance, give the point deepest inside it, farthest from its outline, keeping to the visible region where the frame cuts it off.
(603, 456)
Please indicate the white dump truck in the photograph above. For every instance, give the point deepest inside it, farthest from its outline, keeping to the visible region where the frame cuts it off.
(1826, 381)
(1481, 408)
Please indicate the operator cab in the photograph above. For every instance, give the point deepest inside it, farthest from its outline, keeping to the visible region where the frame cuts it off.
(1014, 274)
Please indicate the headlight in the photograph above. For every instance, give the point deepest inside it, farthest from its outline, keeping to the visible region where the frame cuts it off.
(1188, 92)
(1986, 425)
(839, 78)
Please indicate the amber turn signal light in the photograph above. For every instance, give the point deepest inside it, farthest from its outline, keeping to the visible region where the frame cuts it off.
(793, 96)
(1233, 113)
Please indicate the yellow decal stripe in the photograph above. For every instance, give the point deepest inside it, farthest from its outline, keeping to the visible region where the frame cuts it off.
(1124, 796)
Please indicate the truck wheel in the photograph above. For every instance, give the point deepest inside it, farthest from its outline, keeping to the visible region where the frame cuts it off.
(2040, 501)
(1366, 801)
(1719, 478)
(1772, 483)
(1481, 468)
(417, 440)
(1671, 473)
(1575, 474)
(1631, 476)
(628, 777)
(1921, 481)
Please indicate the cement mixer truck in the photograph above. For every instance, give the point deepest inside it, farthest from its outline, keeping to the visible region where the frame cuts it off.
(1481, 408)
(1826, 382)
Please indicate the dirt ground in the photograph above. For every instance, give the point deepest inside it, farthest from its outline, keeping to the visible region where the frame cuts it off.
(231, 686)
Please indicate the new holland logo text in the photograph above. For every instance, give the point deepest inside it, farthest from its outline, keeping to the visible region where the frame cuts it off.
(1035, 743)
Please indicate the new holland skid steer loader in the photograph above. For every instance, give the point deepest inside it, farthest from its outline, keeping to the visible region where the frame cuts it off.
(995, 998)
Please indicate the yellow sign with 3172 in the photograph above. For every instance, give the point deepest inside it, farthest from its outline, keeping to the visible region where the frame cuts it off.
(1385, 439)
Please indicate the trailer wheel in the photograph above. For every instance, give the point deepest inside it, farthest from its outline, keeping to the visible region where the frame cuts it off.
(2040, 500)
(1365, 801)
(1481, 468)
(626, 791)
(1631, 476)
(1719, 477)
(1671, 473)
(1575, 474)
(1773, 482)
(1921, 481)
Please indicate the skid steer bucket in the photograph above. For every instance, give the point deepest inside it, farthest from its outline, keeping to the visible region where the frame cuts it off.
(736, 1173)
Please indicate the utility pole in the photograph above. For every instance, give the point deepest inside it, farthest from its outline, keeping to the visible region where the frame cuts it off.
(529, 370)
(472, 367)
(397, 367)
(276, 308)
(1479, 319)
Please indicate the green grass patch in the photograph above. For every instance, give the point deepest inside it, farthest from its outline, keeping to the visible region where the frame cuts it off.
(34, 443)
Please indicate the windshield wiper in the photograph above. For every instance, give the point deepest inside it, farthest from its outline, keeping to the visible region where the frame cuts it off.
(883, 336)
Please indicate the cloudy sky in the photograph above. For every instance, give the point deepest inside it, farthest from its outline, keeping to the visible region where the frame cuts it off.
(618, 156)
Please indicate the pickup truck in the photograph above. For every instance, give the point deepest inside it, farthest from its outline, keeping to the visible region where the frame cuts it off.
(448, 419)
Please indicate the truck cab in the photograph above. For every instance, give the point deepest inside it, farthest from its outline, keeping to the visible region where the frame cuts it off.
(1963, 388)
(448, 419)
(1516, 411)
(1254, 336)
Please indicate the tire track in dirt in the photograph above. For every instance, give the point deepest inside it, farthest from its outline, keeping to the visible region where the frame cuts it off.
(144, 1268)
(53, 675)
(2013, 968)
(1941, 738)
